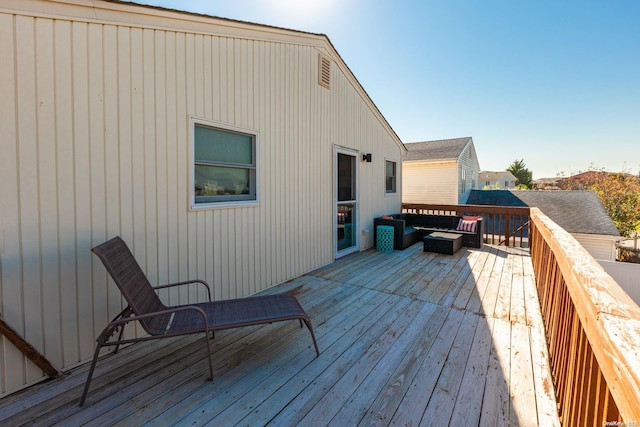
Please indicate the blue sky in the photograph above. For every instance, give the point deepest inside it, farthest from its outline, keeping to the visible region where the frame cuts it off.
(556, 83)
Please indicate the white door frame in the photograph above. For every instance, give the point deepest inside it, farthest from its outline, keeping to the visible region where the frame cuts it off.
(355, 202)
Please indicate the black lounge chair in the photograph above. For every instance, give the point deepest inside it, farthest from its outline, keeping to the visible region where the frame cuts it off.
(161, 321)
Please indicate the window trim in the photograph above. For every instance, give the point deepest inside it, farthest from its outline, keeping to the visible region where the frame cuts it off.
(463, 181)
(195, 121)
(395, 177)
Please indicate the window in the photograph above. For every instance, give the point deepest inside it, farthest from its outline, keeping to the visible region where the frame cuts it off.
(224, 165)
(390, 177)
(463, 181)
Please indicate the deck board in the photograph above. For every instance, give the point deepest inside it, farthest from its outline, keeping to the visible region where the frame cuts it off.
(408, 338)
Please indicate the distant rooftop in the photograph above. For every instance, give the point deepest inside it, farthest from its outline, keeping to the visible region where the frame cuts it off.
(575, 211)
(493, 176)
(443, 149)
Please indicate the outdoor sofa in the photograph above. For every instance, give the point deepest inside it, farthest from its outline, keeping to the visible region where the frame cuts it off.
(410, 228)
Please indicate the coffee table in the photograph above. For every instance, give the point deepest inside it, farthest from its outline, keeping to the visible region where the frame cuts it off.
(442, 243)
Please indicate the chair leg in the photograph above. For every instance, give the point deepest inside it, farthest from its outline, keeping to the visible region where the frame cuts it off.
(313, 336)
(93, 366)
(206, 334)
(119, 338)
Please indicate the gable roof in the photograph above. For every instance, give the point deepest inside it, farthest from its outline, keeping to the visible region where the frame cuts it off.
(494, 176)
(575, 211)
(443, 149)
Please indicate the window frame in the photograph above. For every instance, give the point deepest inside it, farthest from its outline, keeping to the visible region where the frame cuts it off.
(463, 181)
(227, 200)
(395, 178)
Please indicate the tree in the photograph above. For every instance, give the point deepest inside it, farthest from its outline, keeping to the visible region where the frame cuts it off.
(520, 171)
(620, 195)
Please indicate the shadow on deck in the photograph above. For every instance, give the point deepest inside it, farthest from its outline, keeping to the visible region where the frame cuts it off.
(408, 338)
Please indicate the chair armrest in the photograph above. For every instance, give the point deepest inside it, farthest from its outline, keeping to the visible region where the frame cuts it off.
(125, 320)
(170, 285)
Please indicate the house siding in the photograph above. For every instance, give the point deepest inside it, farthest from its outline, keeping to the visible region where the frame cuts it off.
(96, 123)
(600, 247)
(467, 161)
(430, 182)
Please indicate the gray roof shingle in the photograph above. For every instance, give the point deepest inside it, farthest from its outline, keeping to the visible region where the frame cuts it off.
(443, 149)
(575, 211)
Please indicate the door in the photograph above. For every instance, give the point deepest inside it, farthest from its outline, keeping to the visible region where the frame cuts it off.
(346, 197)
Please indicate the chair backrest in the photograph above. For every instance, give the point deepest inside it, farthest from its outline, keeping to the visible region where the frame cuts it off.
(131, 280)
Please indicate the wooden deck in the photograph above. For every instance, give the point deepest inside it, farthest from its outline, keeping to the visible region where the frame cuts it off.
(407, 338)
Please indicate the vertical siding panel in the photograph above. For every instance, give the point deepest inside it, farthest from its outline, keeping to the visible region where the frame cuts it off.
(251, 261)
(183, 147)
(190, 80)
(207, 77)
(128, 115)
(66, 199)
(174, 202)
(97, 172)
(125, 135)
(138, 243)
(150, 161)
(29, 189)
(307, 158)
(160, 151)
(82, 187)
(221, 239)
(224, 98)
(201, 237)
(11, 360)
(111, 155)
(279, 192)
(259, 109)
(137, 145)
(207, 247)
(267, 171)
(48, 185)
(218, 250)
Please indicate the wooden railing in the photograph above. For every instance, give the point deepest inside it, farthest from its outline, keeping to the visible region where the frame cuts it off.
(504, 225)
(592, 329)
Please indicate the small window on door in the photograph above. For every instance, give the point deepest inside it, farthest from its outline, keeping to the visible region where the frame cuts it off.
(390, 177)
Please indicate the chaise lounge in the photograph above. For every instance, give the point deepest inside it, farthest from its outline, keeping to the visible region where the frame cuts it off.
(161, 321)
(410, 228)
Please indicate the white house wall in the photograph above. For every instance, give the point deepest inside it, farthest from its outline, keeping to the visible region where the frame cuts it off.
(468, 161)
(430, 182)
(599, 246)
(95, 143)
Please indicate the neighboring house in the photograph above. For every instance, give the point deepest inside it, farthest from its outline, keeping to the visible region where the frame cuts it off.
(581, 213)
(218, 149)
(581, 180)
(545, 184)
(502, 180)
(440, 172)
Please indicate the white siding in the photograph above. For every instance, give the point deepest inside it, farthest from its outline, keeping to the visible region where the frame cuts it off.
(430, 182)
(468, 161)
(626, 275)
(600, 247)
(95, 143)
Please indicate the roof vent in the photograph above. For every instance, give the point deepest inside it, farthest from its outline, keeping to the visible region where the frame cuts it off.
(324, 71)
